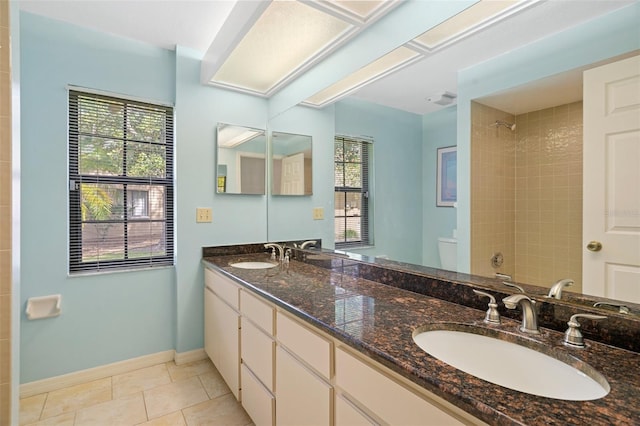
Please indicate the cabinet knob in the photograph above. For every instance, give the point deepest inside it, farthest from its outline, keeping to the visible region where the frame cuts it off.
(594, 246)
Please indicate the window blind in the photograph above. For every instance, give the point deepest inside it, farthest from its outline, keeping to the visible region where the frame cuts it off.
(120, 183)
(352, 215)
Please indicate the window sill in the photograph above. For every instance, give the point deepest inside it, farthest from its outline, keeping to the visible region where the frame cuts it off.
(84, 274)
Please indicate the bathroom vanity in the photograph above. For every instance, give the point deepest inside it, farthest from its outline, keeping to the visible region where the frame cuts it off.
(313, 339)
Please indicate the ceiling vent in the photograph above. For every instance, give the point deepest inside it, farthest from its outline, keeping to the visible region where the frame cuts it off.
(442, 98)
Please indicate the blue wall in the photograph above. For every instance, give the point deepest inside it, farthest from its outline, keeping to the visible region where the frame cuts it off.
(112, 317)
(439, 130)
(397, 175)
(236, 218)
(107, 317)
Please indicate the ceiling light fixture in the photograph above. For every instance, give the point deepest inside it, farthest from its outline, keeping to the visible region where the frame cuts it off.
(467, 22)
(231, 136)
(379, 68)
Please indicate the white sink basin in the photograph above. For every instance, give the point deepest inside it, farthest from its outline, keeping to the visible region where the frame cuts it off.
(512, 365)
(253, 265)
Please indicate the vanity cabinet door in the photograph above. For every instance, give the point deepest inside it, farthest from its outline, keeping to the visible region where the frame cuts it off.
(227, 339)
(303, 397)
(210, 345)
(390, 401)
(222, 327)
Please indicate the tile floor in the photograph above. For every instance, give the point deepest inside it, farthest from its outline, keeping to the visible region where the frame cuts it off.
(191, 394)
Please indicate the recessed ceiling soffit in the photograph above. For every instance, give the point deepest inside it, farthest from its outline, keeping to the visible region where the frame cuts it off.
(266, 45)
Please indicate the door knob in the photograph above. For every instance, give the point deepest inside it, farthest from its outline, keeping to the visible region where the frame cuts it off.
(594, 246)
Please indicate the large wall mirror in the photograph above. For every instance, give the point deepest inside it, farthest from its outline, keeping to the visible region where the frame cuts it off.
(240, 160)
(291, 164)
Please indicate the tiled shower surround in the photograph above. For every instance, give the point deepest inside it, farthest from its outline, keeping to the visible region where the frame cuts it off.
(5, 216)
(526, 188)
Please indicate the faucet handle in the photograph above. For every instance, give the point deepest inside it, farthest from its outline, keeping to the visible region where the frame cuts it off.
(492, 315)
(573, 336)
(621, 308)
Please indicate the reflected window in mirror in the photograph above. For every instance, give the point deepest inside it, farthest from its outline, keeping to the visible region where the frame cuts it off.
(291, 164)
(352, 192)
(240, 160)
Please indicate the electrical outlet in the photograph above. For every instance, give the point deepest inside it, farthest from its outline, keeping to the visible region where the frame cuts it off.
(318, 213)
(203, 215)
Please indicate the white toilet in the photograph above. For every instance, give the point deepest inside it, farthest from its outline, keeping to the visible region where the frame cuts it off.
(448, 249)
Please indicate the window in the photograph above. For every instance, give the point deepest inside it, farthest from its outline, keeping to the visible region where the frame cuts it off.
(138, 203)
(351, 192)
(120, 183)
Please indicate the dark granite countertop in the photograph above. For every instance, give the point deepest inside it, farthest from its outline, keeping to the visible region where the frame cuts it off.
(378, 320)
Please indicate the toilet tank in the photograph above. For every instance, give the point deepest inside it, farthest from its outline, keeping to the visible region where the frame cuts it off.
(448, 249)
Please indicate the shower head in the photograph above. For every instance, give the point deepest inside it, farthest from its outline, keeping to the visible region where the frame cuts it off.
(510, 126)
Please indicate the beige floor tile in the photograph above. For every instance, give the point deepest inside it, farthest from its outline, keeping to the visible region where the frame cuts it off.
(31, 408)
(179, 372)
(173, 419)
(140, 380)
(76, 397)
(129, 410)
(214, 384)
(66, 419)
(175, 396)
(223, 411)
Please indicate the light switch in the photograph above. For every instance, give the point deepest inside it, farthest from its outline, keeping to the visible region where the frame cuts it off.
(318, 213)
(203, 215)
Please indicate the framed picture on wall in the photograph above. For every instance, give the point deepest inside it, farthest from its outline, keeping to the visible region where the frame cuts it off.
(446, 186)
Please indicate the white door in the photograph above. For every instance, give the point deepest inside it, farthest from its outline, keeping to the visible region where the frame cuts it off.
(292, 181)
(612, 181)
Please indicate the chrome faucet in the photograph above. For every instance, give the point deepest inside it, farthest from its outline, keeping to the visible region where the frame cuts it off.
(307, 244)
(529, 316)
(556, 290)
(280, 250)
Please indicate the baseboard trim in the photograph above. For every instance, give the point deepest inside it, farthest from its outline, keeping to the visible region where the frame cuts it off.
(83, 376)
(190, 356)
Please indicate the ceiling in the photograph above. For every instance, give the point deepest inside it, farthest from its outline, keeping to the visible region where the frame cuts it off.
(196, 24)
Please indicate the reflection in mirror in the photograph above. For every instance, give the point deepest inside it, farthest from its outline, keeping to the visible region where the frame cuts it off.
(540, 161)
(241, 160)
(291, 164)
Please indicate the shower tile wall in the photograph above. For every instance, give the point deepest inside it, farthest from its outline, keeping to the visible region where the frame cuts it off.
(5, 216)
(492, 191)
(526, 194)
(549, 195)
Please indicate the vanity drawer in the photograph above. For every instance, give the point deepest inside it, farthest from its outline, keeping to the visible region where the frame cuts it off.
(257, 350)
(222, 286)
(257, 311)
(314, 349)
(259, 403)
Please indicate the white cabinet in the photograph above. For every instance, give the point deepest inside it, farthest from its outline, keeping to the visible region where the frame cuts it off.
(304, 394)
(375, 392)
(258, 402)
(347, 413)
(258, 358)
(303, 397)
(222, 327)
(290, 373)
